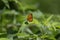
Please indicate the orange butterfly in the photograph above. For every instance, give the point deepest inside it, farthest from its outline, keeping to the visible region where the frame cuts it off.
(30, 17)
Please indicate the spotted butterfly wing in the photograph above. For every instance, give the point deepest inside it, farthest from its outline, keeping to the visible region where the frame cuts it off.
(30, 17)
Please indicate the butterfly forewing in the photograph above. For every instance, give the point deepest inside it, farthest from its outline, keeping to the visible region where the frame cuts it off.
(30, 17)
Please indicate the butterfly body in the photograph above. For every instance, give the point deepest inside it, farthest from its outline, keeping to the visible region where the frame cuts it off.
(32, 20)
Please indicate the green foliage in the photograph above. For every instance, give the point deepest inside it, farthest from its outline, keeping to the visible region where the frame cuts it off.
(14, 25)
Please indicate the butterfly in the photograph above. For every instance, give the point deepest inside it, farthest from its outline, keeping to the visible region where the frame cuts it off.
(30, 17)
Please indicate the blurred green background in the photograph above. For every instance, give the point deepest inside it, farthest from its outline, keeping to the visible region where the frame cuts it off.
(46, 23)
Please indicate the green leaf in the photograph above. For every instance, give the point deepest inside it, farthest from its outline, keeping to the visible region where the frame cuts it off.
(4, 39)
(6, 3)
(22, 35)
